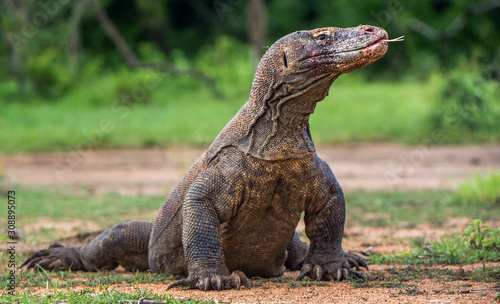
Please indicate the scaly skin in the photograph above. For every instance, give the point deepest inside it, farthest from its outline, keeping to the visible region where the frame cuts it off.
(235, 212)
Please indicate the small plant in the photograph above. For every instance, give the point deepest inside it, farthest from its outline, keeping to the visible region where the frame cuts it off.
(480, 236)
(477, 243)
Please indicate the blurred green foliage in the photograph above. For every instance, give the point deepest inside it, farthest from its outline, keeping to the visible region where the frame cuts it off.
(48, 74)
(466, 108)
(447, 70)
(440, 34)
(482, 190)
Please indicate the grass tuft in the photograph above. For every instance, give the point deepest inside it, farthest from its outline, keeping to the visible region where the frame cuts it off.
(478, 243)
(90, 295)
(481, 189)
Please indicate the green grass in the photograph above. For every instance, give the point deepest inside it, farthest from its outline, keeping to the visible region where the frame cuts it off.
(353, 112)
(481, 188)
(125, 110)
(357, 111)
(476, 198)
(89, 295)
(59, 205)
(98, 210)
(408, 209)
(101, 287)
(372, 209)
(81, 287)
(69, 279)
(448, 250)
(53, 127)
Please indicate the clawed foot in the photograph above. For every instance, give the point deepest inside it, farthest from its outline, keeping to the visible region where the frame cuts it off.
(216, 282)
(56, 257)
(334, 272)
(355, 261)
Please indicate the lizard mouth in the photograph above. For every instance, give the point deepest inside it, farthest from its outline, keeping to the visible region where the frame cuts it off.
(375, 44)
(384, 41)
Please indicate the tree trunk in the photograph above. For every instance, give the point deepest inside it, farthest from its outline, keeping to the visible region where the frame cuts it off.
(257, 28)
(74, 43)
(131, 58)
(14, 40)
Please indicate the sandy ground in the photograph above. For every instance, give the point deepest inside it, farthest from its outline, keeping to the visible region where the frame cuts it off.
(155, 171)
(418, 291)
(364, 166)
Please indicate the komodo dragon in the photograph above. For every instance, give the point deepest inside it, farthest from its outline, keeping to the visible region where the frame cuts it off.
(235, 212)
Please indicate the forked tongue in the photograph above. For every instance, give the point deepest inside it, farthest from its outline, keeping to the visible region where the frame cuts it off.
(400, 38)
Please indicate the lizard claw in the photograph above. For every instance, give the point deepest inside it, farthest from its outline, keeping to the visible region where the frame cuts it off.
(204, 283)
(56, 257)
(338, 271)
(237, 278)
(318, 272)
(215, 282)
(346, 273)
(315, 273)
(189, 283)
(34, 258)
(355, 261)
(304, 271)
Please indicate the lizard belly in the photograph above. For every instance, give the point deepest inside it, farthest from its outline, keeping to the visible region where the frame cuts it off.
(262, 250)
(255, 240)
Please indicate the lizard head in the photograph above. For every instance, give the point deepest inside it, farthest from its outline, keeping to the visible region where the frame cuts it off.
(333, 50)
(307, 62)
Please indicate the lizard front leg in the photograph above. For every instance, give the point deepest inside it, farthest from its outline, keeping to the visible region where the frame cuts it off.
(206, 205)
(325, 219)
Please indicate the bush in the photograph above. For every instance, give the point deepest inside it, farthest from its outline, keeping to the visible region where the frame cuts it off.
(228, 62)
(49, 75)
(465, 110)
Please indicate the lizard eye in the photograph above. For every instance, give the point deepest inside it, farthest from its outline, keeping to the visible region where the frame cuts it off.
(321, 37)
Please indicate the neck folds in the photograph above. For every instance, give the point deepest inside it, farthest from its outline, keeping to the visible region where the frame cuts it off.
(280, 125)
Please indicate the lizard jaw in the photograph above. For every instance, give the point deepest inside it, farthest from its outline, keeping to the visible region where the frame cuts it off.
(381, 42)
(377, 45)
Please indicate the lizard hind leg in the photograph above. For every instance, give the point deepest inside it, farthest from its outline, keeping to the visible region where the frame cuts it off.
(56, 257)
(297, 252)
(124, 244)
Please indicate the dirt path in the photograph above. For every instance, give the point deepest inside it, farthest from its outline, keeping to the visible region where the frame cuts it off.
(156, 171)
(418, 291)
(290, 291)
(365, 166)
